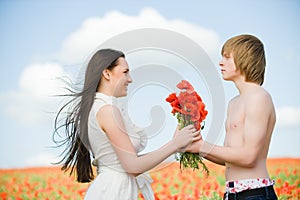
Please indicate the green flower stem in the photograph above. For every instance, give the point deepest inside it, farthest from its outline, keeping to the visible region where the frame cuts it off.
(187, 159)
(191, 160)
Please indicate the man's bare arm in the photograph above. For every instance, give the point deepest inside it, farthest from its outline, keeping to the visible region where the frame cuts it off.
(257, 114)
(195, 148)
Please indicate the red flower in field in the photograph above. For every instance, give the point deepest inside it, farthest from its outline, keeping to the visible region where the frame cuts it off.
(3, 195)
(82, 192)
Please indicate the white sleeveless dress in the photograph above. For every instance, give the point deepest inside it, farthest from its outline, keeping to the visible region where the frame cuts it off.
(112, 182)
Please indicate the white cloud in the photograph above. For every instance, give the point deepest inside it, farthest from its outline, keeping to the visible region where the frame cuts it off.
(40, 79)
(33, 100)
(288, 116)
(42, 159)
(95, 31)
(30, 103)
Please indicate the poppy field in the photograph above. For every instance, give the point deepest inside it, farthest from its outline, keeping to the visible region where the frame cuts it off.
(169, 182)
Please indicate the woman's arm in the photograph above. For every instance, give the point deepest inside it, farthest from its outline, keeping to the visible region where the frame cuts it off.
(111, 122)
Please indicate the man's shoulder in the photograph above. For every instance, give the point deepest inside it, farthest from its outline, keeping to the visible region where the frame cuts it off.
(259, 99)
(235, 98)
(259, 94)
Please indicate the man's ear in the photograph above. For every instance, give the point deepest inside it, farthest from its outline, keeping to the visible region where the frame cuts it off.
(106, 74)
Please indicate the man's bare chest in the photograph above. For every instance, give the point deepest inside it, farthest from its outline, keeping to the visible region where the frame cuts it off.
(235, 126)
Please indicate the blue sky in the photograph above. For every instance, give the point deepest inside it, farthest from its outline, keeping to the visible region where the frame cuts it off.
(43, 39)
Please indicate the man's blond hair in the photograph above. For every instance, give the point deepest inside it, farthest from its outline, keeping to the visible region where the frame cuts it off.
(249, 56)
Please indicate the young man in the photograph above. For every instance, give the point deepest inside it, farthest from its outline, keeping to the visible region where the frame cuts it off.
(249, 125)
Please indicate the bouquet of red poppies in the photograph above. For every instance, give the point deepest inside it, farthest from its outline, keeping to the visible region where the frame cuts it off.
(189, 109)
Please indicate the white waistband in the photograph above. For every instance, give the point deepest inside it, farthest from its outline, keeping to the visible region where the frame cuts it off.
(247, 184)
(113, 168)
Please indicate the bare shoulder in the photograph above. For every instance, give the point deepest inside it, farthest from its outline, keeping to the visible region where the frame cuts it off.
(109, 115)
(108, 109)
(260, 94)
(259, 99)
(233, 101)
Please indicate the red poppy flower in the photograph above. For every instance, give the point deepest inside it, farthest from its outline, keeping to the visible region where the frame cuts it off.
(185, 85)
(189, 109)
(172, 97)
(185, 97)
(189, 103)
(176, 106)
(197, 96)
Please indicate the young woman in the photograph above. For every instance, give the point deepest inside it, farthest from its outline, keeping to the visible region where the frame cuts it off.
(94, 124)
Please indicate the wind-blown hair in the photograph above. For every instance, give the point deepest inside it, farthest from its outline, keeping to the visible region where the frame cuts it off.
(73, 116)
(249, 56)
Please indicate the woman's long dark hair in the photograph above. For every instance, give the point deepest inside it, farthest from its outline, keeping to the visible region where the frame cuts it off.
(73, 117)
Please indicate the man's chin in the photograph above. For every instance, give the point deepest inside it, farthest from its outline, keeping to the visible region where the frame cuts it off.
(124, 94)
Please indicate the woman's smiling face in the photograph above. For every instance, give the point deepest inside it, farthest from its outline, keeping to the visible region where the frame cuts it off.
(120, 78)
